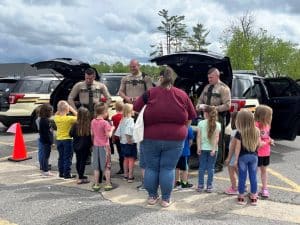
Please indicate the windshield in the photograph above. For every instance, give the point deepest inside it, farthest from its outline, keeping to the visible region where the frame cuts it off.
(112, 84)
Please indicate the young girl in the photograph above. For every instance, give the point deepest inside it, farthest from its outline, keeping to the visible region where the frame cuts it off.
(232, 170)
(207, 146)
(128, 147)
(116, 118)
(247, 142)
(101, 131)
(263, 118)
(82, 142)
(64, 122)
(46, 137)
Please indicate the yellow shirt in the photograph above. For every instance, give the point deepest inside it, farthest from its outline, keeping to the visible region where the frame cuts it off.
(64, 124)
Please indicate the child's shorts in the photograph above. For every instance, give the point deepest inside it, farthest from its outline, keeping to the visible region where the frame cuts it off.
(231, 163)
(183, 163)
(263, 161)
(129, 150)
(101, 158)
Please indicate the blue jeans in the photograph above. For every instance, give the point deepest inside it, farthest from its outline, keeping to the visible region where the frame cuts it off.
(161, 158)
(65, 155)
(206, 163)
(247, 162)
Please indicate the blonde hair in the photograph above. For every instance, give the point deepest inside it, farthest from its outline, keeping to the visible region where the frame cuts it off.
(62, 106)
(246, 126)
(119, 106)
(263, 115)
(211, 124)
(127, 110)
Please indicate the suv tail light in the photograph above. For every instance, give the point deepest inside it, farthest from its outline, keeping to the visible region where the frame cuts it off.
(236, 105)
(13, 98)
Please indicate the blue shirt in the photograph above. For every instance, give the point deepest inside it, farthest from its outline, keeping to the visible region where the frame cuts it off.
(186, 148)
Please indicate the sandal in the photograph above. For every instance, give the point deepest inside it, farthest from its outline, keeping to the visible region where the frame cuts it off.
(241, 200)
(253, 200)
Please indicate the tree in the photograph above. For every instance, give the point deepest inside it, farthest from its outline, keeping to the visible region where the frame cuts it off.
(197, 40)
(174, 31)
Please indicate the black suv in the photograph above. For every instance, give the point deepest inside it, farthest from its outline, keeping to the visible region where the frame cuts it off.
(282, 94)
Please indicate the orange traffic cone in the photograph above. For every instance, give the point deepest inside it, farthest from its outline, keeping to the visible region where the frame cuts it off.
(19, 151)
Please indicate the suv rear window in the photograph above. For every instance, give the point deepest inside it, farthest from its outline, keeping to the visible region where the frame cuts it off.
(6, 86)
(241, 86)
(28, 86)
(112, 84)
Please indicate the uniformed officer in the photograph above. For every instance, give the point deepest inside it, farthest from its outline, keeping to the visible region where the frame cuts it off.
(89, 91)
(218, 94)
(134, 84)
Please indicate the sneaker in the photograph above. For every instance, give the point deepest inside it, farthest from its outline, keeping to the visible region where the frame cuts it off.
(264, 193)
(61, 176)
(130, 179)
(47, 174)
(200, 188)
(209, 189)
(177, 183)
(125, 178)
(165, 203)
(108, 187)
(186, 185)
(96, 187)
(70, 176)
(231, 191)
(153, 200)
(141, 187)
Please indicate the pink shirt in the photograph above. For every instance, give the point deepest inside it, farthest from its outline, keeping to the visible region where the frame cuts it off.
(100, 129)
(166, 113)
(264, 150)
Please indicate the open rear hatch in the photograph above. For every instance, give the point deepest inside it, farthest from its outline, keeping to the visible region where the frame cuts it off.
(72, 70)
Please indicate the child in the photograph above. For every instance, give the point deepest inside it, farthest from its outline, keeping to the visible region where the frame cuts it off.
(263, 118)
(128, 147)
(101, 131)
(116, 118)
(183, 162)
(207, 146)
(63, 123)
(82, 142)
(247, 141)
(232, 170)
(46, 137)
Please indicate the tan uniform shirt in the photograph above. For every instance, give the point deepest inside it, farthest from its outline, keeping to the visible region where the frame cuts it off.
(221, 97)
(134, 86)
(81, 89)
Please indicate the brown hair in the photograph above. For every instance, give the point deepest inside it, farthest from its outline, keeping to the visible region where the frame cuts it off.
(45, 111)
(246, 126)
(83, 125)
(168, 77)
(263, 115)
(212, 119)
(100, 108)
(119, 106)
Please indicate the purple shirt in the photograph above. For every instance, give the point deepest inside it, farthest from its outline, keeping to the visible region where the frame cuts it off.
(166, 113)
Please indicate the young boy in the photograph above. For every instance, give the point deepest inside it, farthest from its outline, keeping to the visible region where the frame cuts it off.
(101, 131)
(182, 167)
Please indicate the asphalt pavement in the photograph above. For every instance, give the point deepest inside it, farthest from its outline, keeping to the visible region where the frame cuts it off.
(29, 198)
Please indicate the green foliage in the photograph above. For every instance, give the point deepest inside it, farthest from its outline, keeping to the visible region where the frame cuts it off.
(197, 41)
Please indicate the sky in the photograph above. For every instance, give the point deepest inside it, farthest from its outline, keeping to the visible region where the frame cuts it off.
(116, 30)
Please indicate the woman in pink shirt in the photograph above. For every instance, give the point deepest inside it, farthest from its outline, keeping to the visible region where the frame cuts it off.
(263, 118)
(167, 115)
